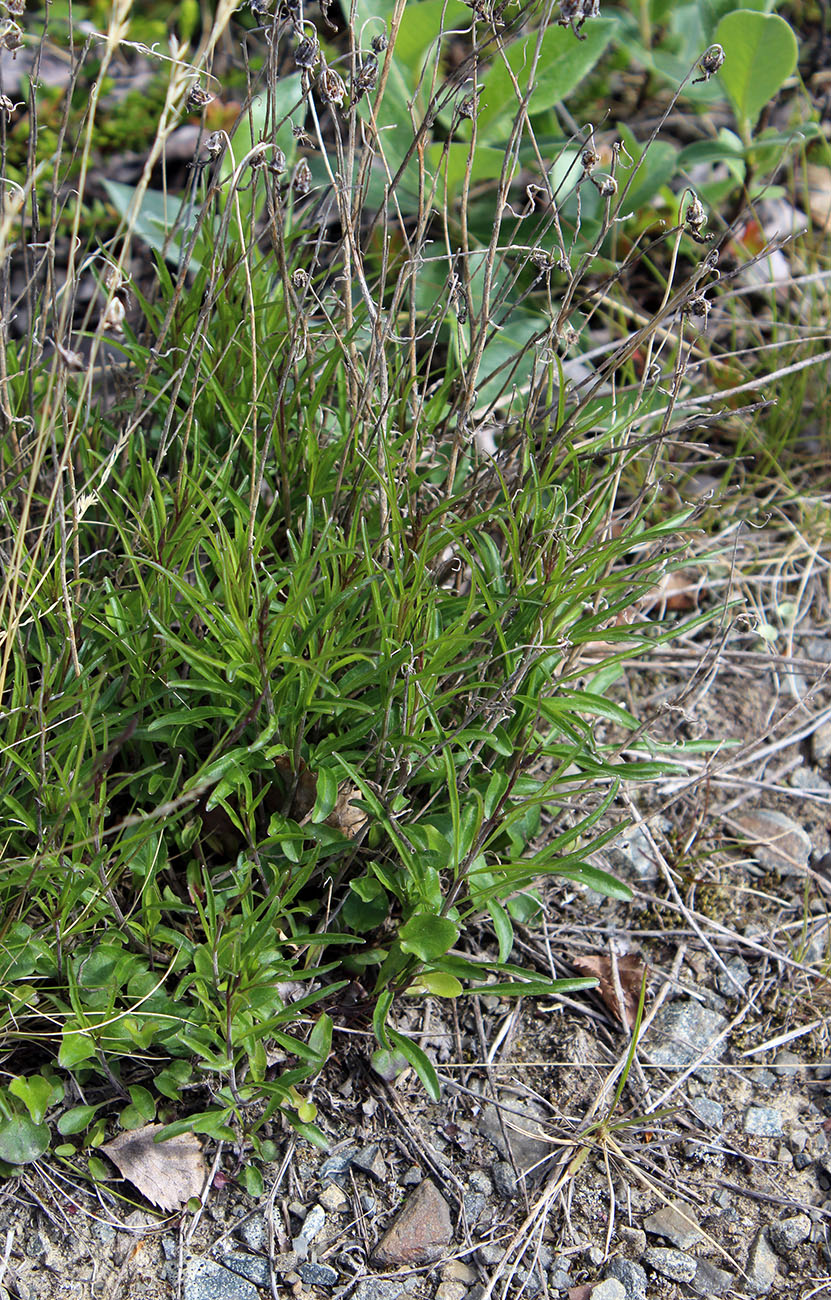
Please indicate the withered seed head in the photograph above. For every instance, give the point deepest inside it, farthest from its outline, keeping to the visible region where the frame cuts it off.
(198, 98)
(331, 87)
(307, 53)
(302, 181)
(709, 63)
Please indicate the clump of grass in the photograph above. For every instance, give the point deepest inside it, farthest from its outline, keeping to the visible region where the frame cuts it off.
(305, 540)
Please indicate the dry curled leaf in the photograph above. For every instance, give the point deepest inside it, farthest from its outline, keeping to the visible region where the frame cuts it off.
(167, 1173)
(345, 816)
(630, 970)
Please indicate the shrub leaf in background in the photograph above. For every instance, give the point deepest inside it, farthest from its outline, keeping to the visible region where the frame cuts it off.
(760, 53)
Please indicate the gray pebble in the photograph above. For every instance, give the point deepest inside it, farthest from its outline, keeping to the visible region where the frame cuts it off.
(206, 1280)
(788, 1064)
(381, 1288)
(337, 1166)
(370, 1161)
(787, 1234)
(710, 1280)
(318, 1274)
(677, 1223)
(763, 1121)
(252, 1267)
(474, 1203)
(681, 1032)
(630, 1274)
(558, 1280)
(504, 1179)
(801, 1160)
(253, 1232)
(412, 1177)
(761, 1266)
(670, 1263)
(732, 981)
(609, 1289)
(709, 1112)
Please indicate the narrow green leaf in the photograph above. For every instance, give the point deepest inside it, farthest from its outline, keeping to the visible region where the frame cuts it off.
(420, 1062)
(502, 927)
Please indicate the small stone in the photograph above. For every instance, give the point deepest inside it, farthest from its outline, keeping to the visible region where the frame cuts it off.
(456, 1270)
(252, 1267)
(524, 1127)
(370, 1161)
(451, 1291)
(763, 1121)
(488, 1254)
(682, 1032)
(334, 1199)
(677, 1223)
(381, 1288)
(788, 1064)
(787, 1234)
(285, 1262)
(318, 1274)
(505, 1180)
(781, 844)
(633, 1238)
(798, 1139)
(633, 852)
(670, 1263)
(710, 1280)
(337, 1166)
(609, 1289)
(420, 1231)
(821, 742)
(711, 1113)
(474, 1203)
(630, 1274)
(732, 981)
(312, 1225)
(253, 1232)
(595, 1255)
(205, 1279)
(480, 1182)
(761, 1267)
(801, 1160)
(559, 1281)
(412, 1177)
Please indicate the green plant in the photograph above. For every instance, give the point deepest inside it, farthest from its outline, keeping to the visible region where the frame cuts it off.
(313, 622)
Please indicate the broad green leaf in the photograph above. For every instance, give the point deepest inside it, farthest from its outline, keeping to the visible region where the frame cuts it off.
(437, 982)
(427, 936)
(760, 53)
(562, 65)
(22, 1140)
(75, 1048)
(36, 1093)
(387, 1063)
(420, 1062)
(76, 1119)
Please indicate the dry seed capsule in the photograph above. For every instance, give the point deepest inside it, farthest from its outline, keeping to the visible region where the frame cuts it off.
(380, 42)
(709, 63)
(198, 98)
(366, 77)
(307, 53)
(332, 88)
(302, 181)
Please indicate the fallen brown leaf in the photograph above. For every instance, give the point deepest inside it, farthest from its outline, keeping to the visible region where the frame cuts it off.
(630, 970)
(167, 1173)
(345, 816)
